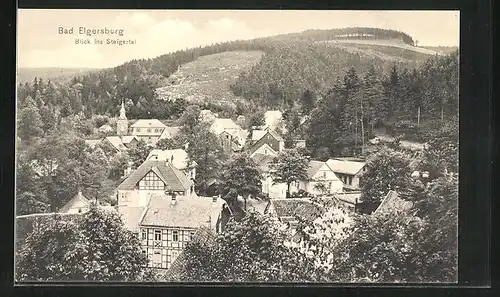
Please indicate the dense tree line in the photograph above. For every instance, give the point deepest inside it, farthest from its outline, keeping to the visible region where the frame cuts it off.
(408, 102)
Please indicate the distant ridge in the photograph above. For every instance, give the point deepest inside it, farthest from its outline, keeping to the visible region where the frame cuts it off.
(46, 73)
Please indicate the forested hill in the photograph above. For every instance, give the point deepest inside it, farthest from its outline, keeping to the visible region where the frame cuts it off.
(291, 64)
(28, 74)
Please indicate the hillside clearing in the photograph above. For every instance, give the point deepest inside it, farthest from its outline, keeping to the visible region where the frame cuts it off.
(207, 79)
(383, 42)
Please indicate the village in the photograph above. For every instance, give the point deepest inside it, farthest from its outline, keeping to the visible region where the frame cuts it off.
(157, 200)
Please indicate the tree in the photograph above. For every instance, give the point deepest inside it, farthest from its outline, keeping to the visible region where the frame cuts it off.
(48, 118)
(374, 98)
(308, 101)
(117, 166)
(189, 119)
(257, 119)
(250, 250)
(290, 166)
(138, 153)
(441, 153)
(93, 247)
(94, 173)
(165, 144)
(28, 203)
(29, 123)
(242, 178)
(386, 170)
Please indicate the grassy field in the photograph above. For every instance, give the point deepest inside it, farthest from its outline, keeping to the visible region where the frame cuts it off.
(208, 78)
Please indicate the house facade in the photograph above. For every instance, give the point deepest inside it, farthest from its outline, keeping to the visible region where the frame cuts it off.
(271, 140)
(153, 177)
(349, 172)
(232, 136)
(148, 130)
(77, 204)
(269, 187)
(168, 222)
(321, 180)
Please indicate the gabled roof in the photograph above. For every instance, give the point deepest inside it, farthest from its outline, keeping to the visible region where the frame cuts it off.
(170, 132)
(288, 208)
(148, 123)
(258, 134)
(275, 135)
(173, 177)
(314, 167)
(77, 198)
(393, 203)
(187, 212)
(127, 139)
(131, 217)
(345, 167)
(219, 125)
(116, 142)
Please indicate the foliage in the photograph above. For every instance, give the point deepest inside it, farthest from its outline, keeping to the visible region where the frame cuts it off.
(95, 248)
(138, 153)
(241, 178)
(288, 167)
(28, 203)
(29, 123)
(386, 170)
(165, 144)
(250, 250)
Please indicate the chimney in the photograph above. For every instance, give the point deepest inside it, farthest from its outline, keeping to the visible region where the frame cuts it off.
(174, 198)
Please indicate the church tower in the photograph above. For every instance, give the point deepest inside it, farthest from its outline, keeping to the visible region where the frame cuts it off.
(122, 122)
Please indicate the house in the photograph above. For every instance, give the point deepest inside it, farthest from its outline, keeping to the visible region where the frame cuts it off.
(273, 190)
(392, 203)
(232, 136)
(270, 143)
(153, 177)
(348, 171)
(289, 210)
(168, 223)
(105, 129)
(320, 180)
(92, 142)
(77, 204)
(121, 143)
(148, 130)
(178, 158)
(349, 199)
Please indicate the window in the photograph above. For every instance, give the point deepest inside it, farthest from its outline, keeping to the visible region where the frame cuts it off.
(151, 182)
(149, 130)
(79, 210)
(324, 174)
(350, 180)
(144, 235)
(157, 234)
(138, 129)
(191, 235)
(175, 236)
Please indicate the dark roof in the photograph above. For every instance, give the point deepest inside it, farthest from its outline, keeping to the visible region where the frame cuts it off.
(202, 235)
(393, 203)
(175, 179)
(314, 167)
(273, 141)
(187, 212)
(295, 207)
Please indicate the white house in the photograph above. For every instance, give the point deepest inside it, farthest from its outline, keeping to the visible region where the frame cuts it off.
(347, 171)
(77, 204)
(150, 178)
(321, 180)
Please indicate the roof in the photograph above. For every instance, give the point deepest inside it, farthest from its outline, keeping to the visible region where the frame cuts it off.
(224, 124)
(272, 117)
(105, 128)
(77, 198)
(127, 139)
(187, 212)
(258, 134)
(180, 157)
(175, 179)
(170, 132)
(116, 142)
(314, 167)
(295, 207)
(349, 197)
(148, 123)
(131, 217)
(393, 203)
(345, 167)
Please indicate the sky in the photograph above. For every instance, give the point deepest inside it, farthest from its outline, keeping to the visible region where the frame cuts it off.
(157, 32)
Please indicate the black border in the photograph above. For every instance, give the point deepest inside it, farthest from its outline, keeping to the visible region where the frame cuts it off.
(476, 146)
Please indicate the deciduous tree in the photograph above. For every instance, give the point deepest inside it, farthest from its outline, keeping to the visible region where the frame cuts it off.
(290, 166)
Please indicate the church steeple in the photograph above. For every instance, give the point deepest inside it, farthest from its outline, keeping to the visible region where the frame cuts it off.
(122, 122)
(122, 111)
